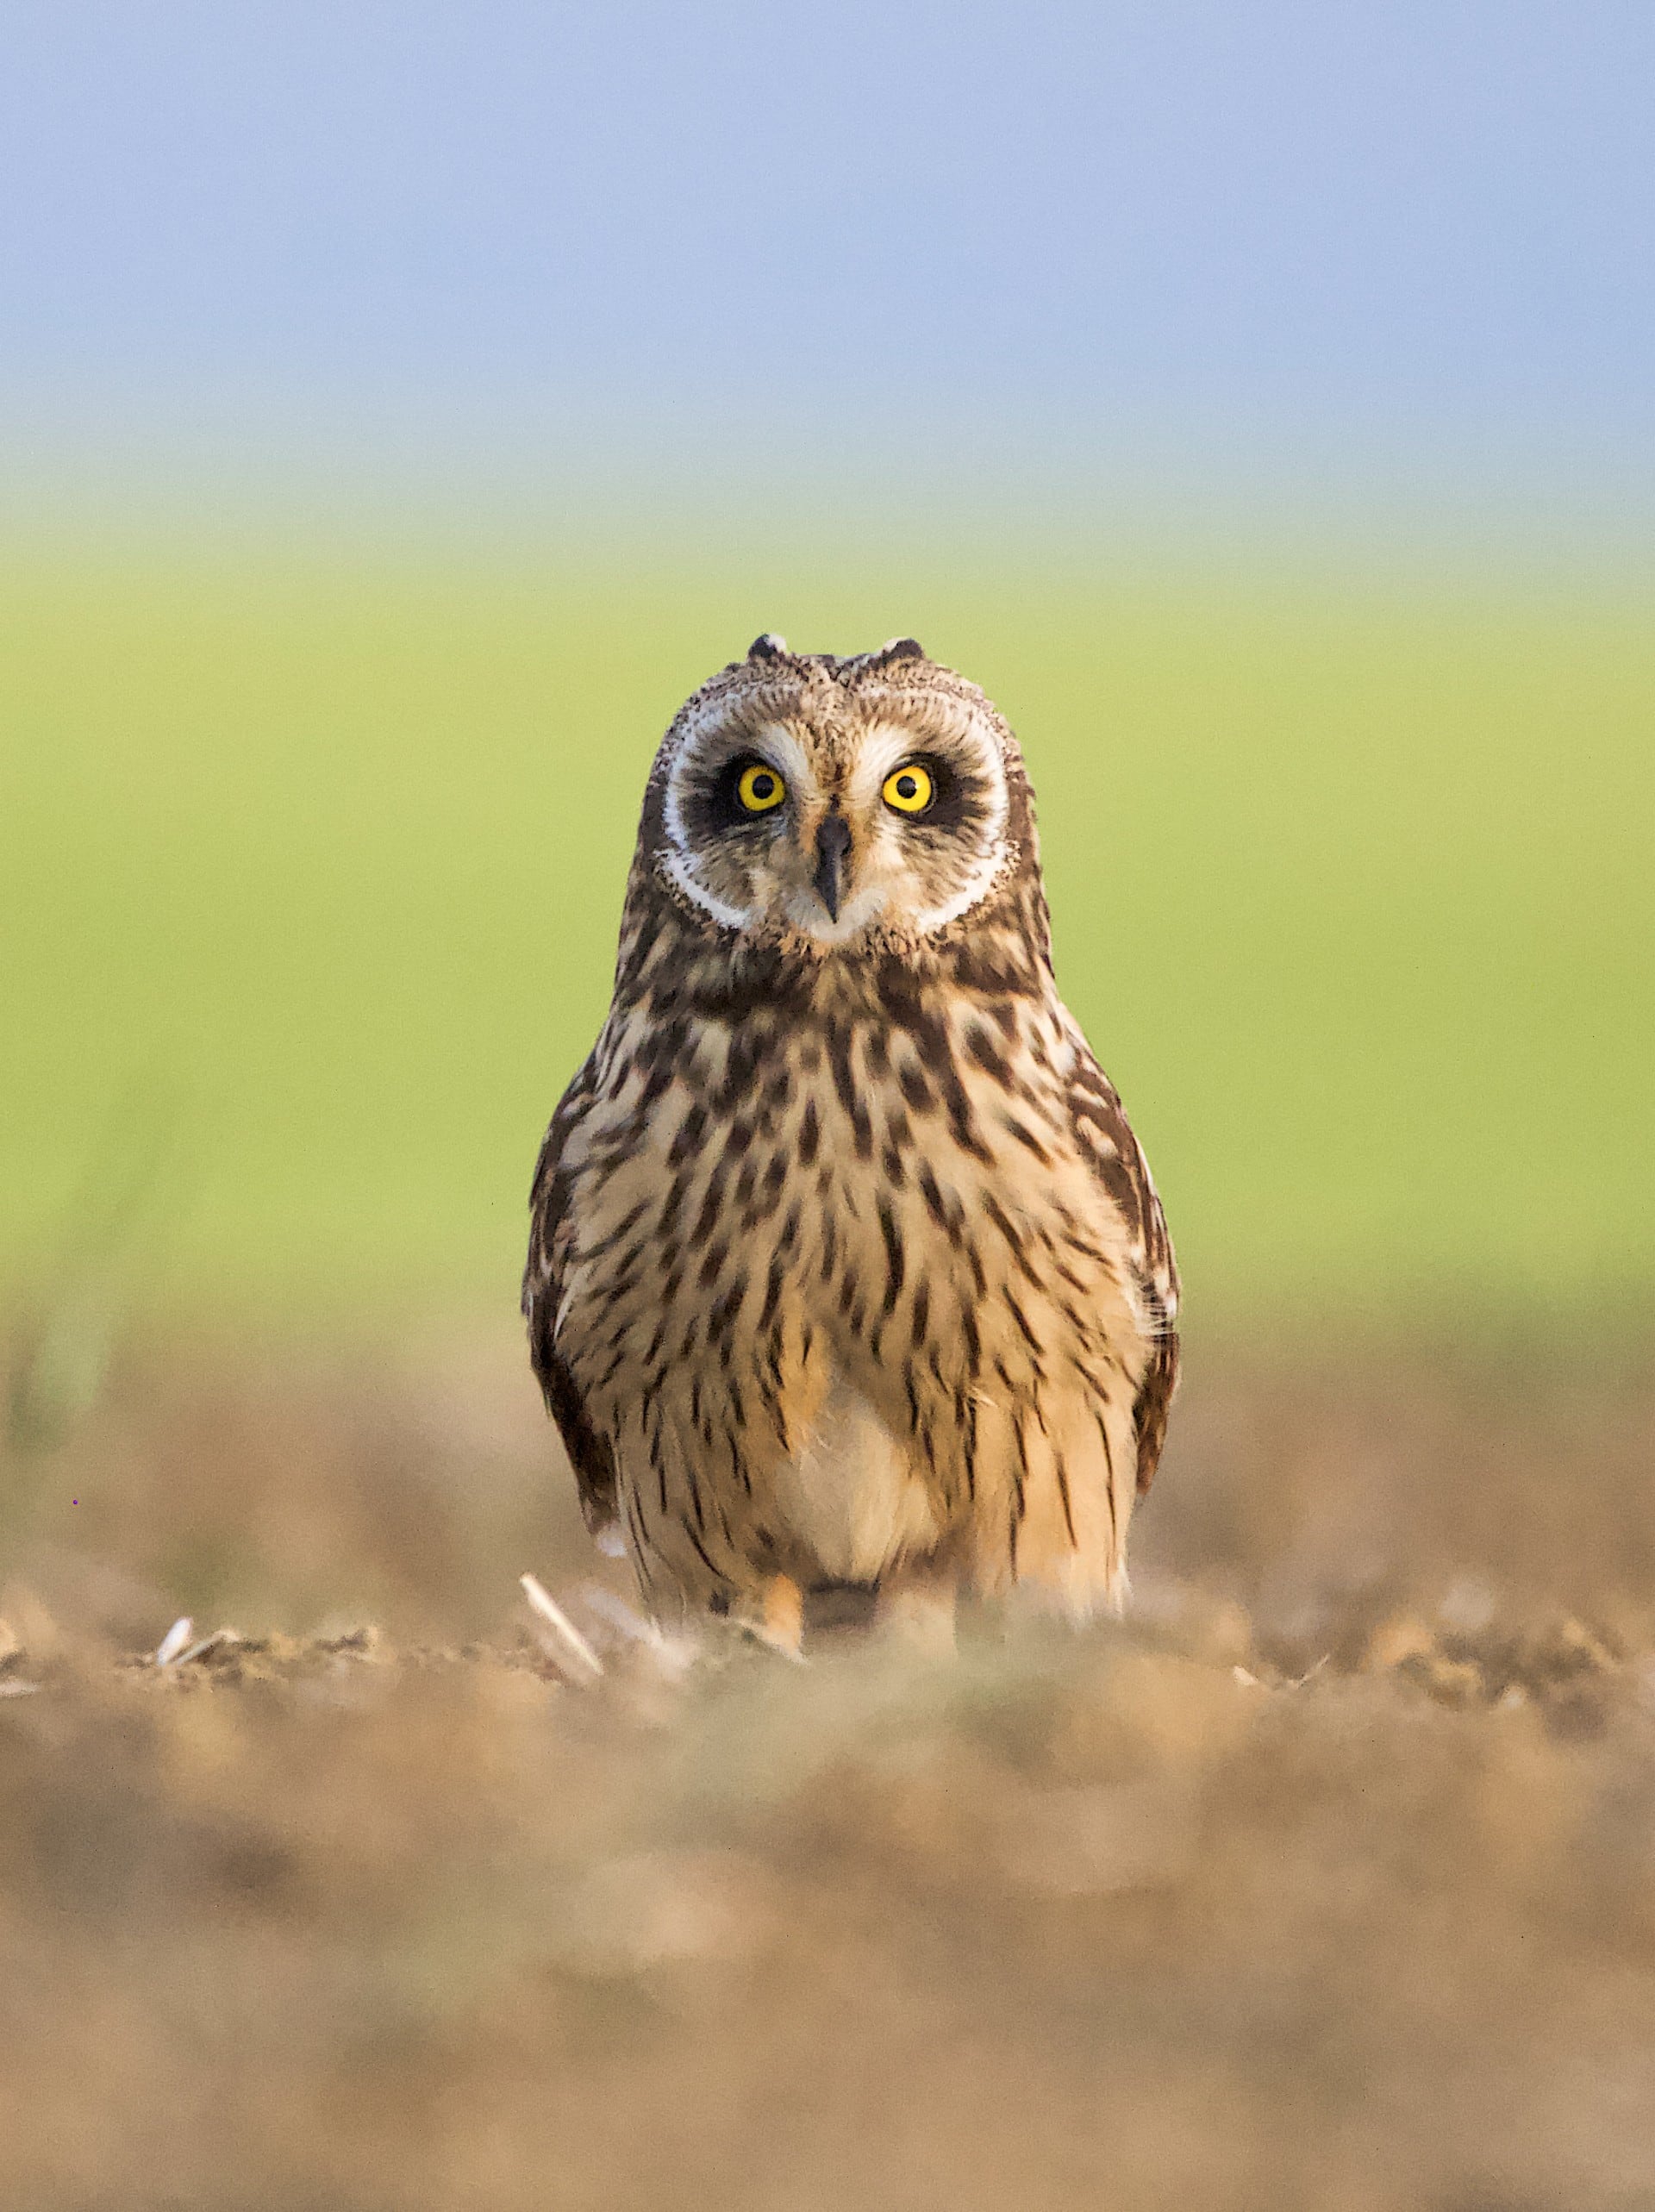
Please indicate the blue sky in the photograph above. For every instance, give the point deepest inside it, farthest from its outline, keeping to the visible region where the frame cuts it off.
(1274, 232)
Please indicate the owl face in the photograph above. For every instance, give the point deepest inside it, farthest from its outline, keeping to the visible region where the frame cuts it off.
(831, 801)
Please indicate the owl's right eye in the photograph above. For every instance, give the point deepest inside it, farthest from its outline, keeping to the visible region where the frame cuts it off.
(759, 789)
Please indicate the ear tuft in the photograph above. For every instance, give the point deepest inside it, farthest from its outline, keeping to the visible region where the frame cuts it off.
(899, 649)
(770, 646)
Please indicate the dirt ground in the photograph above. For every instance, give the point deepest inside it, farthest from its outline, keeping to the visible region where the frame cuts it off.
(1326, 1880)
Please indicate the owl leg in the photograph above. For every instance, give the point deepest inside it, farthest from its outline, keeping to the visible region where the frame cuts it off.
(781, 1620)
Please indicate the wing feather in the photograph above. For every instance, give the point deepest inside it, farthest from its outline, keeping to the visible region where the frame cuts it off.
(1106, 1138)
(551, 1242)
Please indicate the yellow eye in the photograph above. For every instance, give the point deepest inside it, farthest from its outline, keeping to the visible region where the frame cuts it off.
(909, 790)
(760, 788)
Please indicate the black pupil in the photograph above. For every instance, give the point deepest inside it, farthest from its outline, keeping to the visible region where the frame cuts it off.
(762, 787)
(907, 787)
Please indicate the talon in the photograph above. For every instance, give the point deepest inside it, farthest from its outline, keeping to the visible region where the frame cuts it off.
(781, 1625)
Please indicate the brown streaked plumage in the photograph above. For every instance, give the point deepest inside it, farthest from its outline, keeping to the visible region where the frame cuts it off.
(846, 1266)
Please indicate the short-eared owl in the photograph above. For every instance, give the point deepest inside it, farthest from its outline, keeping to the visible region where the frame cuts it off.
(845, 1267)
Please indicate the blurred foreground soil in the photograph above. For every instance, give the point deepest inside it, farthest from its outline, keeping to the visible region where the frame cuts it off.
(1325, 1880)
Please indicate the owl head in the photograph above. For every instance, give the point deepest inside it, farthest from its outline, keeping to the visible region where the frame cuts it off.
(828, 803)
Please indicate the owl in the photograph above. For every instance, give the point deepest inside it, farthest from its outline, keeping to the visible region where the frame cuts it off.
(846, 1276)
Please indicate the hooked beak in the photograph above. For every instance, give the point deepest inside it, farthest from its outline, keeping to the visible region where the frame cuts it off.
(833, 847)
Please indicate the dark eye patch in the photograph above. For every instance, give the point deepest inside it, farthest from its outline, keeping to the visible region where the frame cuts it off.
(958, 801)
(711, 805)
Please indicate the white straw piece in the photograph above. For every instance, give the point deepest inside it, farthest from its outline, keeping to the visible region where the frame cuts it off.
(216, 1641)
(177, 1637)
(671, 1656)
(556, 1619)
(620, 1615)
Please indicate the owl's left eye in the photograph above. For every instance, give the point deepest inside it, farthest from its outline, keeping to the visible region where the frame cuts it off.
(909, 788)
(760, 787)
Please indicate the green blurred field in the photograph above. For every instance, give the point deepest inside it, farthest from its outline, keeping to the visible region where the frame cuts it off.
(310, 870)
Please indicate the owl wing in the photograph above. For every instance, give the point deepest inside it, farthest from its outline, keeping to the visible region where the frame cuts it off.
(1107, 1142)
(551, 1242)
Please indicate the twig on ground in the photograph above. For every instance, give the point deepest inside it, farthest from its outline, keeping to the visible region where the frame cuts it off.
(621, 1616)
(556, 1619)
(673, 1656)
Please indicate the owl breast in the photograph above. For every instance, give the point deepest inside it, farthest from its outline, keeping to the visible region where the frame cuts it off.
(846, 1302)
(849, 1494)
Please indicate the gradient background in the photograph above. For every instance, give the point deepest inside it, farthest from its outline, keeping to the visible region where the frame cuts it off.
(405, 408)
(401, 410)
